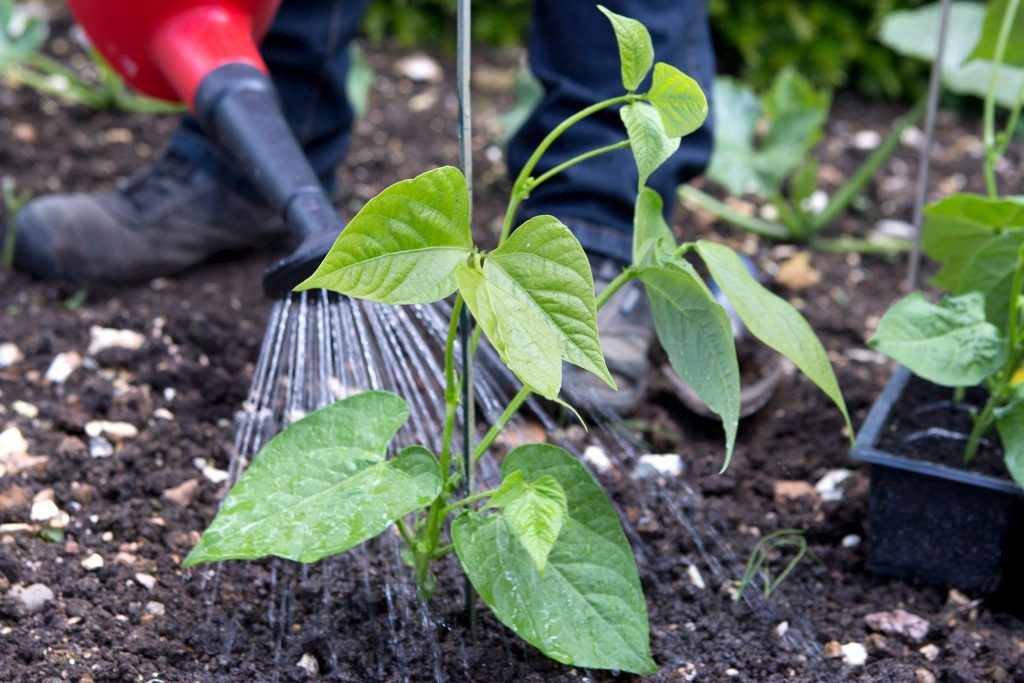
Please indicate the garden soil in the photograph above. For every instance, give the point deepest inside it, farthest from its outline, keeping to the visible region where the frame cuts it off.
(139, 617)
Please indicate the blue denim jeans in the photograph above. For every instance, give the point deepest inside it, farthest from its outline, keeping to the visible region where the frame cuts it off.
(573, 54)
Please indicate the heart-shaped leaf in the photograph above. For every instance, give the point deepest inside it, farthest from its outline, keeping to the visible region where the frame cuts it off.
(404, 246)
(543, 265)
(950, 344)
(587, 608)
(322, 486)
(534, 511)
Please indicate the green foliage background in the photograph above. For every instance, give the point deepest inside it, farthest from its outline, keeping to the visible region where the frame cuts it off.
(831, 42)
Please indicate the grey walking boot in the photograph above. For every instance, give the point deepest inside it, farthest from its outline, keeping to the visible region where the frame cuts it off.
(171, 215)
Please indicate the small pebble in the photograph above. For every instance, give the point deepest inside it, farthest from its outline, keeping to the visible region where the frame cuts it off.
(116, 431)
(782, 629)
(32, 598)
(100, 448)
(62, 366)
(309, 664)
(866, 140)
(898, 622)
(163, 414)
(930, 651)
(183, 494)
(103, 338)
(420, 68)
(784, 490)
(215, 475)
(598, 459)
(665, 465)
(923, 675)
(830, 486)
(25, 409)
(147, 581)
(854, 654)
(10, 354)
(92, 562)
(157, 609)
(851, 541)
(695, 578)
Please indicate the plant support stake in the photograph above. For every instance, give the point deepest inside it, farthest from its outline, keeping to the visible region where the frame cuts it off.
(934, 87)
(462, 67)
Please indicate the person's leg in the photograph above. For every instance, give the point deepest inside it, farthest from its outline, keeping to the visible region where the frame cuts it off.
(307, 53)
(193, 202)
(574, 55)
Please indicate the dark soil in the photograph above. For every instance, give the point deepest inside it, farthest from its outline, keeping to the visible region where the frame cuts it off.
(181, 389)
(924, 406)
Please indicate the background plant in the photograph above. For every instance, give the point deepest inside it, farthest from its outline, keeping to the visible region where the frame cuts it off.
(544, 549)
(11, 201)
(975, 334)
(21, 59)
(777, 165)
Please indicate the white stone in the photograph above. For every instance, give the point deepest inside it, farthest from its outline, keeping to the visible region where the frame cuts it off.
(116, 431)
(92, 563)
(931, 652)
(309, 664)
(170, 393)
(103, 338)
(420, 68)
(854, 654)
(62, 366)
(215, 475)
(899, 622)
(157, 609)
(851, 541)
(100, 448)
(44, 510)
(782, 629)
(32, 598)
(10, 354)
(816, 203)
(892, 229)
(597, 458)
(830, 486)
(695, 578)
(147, 581)
(25, 409)
(866, 139)
(163, 414)
(12, 442)
(663, 465)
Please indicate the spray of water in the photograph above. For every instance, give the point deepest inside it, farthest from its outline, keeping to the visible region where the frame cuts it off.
(320, 347)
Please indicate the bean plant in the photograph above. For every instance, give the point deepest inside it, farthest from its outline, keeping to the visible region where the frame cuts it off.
(975, 334)
(544, 549)
(778, 166)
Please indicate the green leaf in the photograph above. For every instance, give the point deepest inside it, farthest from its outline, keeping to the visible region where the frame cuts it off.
(653, 240)
(544, 267)
(587, 608)
(404, 246)
(647, 138)
(772, 320)
(736, 113)
(914, 33)
(534, 512)
(636, 52)
(678, 99)
(957, 227)
(950, 344)
(521, 335)
(696, 333)
(990, 272)
(1013, 55)
(797, 114)
(20, 36)
(322, 486)
(1010, 425)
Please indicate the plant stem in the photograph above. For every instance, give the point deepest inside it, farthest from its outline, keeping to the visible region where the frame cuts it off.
(407, 536)
(981, 425)
(510, 410)
(989, 136)
(615, 285)
(846, 245)
(468, 500)
(518, 188)
(532, 184)
(726, 213)
(849, 191)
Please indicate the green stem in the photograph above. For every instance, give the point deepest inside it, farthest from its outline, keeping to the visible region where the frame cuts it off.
(518, 187)
(510, 410)
(532, 184)
(849, 191)
(615, 285)
(981, 425)
(468, 500)
(989, 136)
(407, 535)
(726, 213)
(846, 245)
(443, 550)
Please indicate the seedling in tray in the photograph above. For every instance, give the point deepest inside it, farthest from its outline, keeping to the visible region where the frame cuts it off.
(975, 335)
(544, 549)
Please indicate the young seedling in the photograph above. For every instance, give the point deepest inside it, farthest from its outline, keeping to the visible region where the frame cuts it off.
(544, 549)
(764, 552)
(975, 334)
(777, 166)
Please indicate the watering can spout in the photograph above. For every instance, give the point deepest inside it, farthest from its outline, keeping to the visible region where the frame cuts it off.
(203, 53)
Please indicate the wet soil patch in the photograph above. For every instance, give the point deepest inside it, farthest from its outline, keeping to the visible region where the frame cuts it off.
(139, 617)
